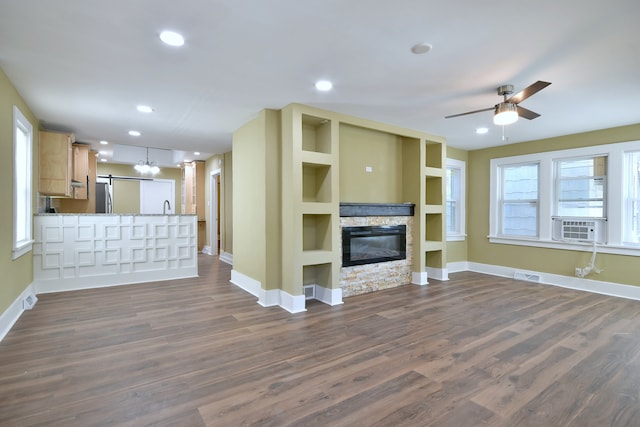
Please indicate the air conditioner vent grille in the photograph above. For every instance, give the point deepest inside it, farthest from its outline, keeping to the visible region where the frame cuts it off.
(579, 229)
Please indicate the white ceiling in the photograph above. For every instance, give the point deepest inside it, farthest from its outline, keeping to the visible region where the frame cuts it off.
(84, 65)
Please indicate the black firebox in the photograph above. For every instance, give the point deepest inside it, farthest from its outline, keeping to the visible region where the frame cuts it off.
(372, 244)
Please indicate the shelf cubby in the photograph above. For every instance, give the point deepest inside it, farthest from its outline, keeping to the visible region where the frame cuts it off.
(318, 274)
(316, 134)
(433, 227)
(316, 232)
(434, 157)
(316, 183)
(434, 190)
(435, 259)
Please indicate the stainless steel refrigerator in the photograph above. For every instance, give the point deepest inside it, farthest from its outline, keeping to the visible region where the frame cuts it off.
(103, 198)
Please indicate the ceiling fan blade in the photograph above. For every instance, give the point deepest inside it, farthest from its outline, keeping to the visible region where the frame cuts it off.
(527, 114)
(528, 91)
(470, 112)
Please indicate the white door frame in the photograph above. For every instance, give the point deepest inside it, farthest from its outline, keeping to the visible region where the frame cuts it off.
(213, 211)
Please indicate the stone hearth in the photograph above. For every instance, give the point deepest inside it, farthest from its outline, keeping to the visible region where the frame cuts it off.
(360, 279)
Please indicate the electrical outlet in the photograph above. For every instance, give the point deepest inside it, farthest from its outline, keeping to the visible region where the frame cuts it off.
(578, 272)
(368, 169)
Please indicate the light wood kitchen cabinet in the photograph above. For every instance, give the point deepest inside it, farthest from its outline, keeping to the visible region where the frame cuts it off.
(193, 189)
(193, 198)
(80, 171)
(56, 167)
(88, 205)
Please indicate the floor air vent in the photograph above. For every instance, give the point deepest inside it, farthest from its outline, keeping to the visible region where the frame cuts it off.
(309, 291)
(29, 302)
(529, 277)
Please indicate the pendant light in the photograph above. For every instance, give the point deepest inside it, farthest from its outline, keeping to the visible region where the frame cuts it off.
(146, 166)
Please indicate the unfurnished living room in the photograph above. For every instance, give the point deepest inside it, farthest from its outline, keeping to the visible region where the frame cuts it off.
(319, 213)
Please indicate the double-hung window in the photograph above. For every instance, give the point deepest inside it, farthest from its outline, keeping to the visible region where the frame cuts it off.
(455, 208)
(22, 183)
(581, 187)
(568, 199)
(631, 210)
(518, 200)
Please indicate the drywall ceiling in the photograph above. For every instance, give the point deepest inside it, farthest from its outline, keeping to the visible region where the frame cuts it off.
(85, 65)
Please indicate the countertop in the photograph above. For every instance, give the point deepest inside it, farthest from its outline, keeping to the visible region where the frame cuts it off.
(110, 214)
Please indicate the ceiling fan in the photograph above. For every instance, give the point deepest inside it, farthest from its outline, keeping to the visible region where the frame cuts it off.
(507, 111)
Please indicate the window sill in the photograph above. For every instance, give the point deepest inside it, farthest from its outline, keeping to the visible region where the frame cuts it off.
(457, 238)
(21, 250)
(554, 244)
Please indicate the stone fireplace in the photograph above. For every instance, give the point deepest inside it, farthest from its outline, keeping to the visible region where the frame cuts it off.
(371, 244)
(382, 263)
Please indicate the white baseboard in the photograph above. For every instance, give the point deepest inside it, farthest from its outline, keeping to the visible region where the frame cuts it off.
(14, 311)
(438, 273)
(292, 303)
(107, 280)
(420, 278)
(268, 298)
(328, 296)
(246, 283)
(226, 257)
(570, 282)
(455, 267)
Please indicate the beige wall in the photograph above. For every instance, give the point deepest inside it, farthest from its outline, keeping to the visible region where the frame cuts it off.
(126, 194)
(256, 200)
(16, 274)
(227, 215)
(249, 197)
(617, 268)
(457, 251)
(359, 148)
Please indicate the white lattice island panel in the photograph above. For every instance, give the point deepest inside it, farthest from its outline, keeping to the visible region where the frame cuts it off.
(88, 251)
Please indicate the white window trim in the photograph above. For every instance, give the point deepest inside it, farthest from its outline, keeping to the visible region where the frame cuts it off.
(462, 207)
(547, 193)
(20, 248)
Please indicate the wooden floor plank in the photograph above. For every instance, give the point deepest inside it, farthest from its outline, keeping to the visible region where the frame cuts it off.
(475, 350)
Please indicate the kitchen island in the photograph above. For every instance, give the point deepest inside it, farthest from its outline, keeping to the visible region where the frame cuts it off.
(83, 251)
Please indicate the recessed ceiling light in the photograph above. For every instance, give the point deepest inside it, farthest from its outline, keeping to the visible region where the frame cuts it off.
(196, 153)
(134, 133)
(144, 109)
(104, 142)
(324, 85)
(172, 38)
(482, 131)
(103, 152)
(103, 159)
(421, 48)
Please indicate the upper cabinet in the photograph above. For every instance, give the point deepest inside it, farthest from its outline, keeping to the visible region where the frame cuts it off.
(64, 166)
(193, 177)
(56, 165)
(80, 182)
(193, 189)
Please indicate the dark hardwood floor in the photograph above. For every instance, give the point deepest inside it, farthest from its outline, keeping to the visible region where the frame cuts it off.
(476, 350)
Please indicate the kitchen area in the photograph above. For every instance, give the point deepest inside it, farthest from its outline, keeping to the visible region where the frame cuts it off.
(106, 224)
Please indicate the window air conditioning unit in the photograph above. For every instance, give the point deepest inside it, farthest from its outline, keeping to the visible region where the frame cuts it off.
(579, 229)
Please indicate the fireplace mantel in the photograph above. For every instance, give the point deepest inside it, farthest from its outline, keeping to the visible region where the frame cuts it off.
(376, 209)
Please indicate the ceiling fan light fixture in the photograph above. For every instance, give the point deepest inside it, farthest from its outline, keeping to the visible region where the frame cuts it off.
(506, 113)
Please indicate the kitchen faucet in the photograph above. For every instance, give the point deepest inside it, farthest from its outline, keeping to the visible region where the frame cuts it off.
(166, 205)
